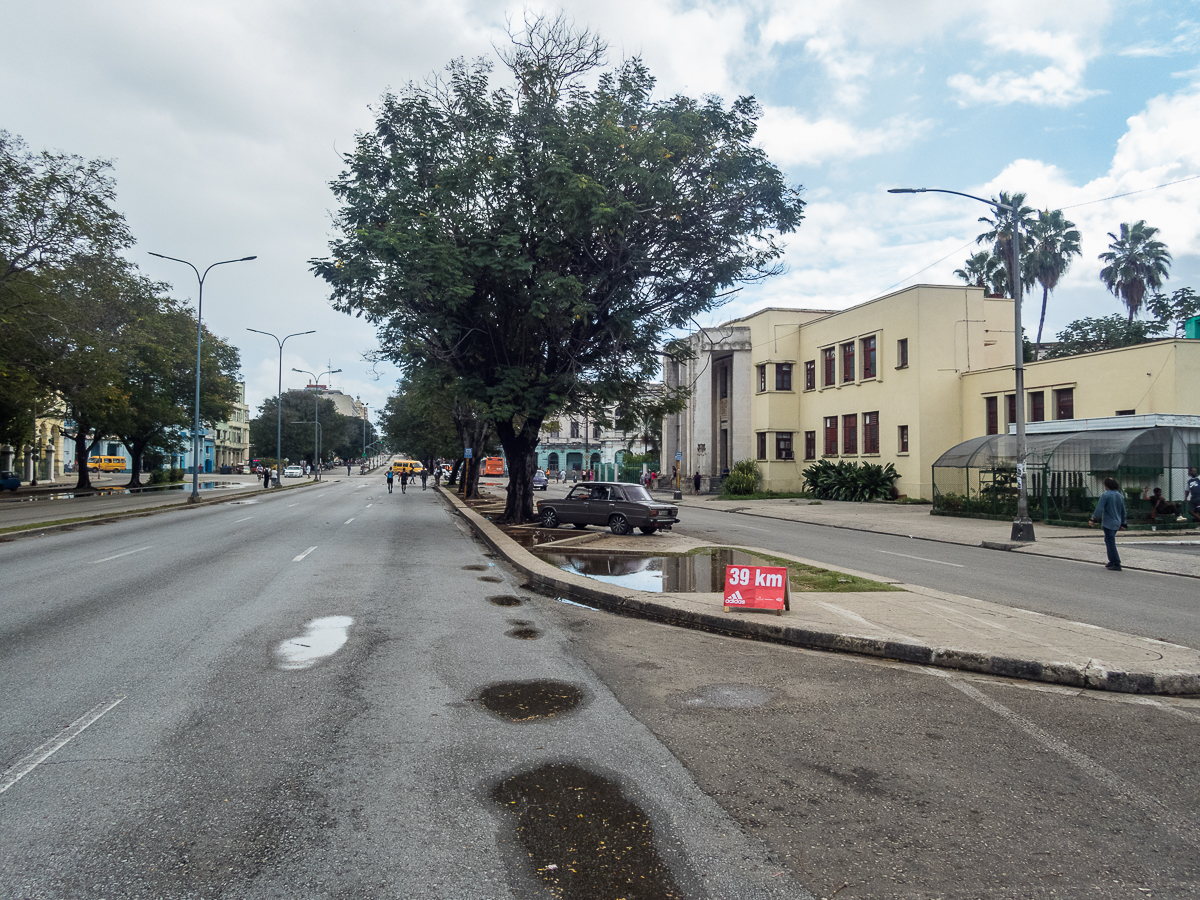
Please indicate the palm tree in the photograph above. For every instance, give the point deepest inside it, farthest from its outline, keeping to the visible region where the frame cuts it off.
(984, 269)
(1136, 263)
(1000, 233)
(1052, 242)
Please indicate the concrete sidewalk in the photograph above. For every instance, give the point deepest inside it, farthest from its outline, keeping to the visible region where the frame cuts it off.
(915, 624)
(913, 520)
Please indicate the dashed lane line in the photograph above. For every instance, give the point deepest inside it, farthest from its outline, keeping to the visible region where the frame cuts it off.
(119, 555)
(369, 505)
(246, 519)
(31, 761)
(922, 559)
(348, 521)
(304, 554)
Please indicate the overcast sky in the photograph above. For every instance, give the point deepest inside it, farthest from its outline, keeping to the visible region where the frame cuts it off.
(224, 121)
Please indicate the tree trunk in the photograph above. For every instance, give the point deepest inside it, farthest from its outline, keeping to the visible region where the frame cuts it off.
(1037, 354)
(454, 473)
(520, 449)
(83, 478)
(136, 449)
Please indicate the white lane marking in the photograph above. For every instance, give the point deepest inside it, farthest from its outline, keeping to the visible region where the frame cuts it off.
(1137, 543)
(247, 519)
(1084, 763)
(23, 767)
(923, 559)
(369, 505)
(304, 554)
(119, 555)
(348, 521)
(322, 637)
(290, 505)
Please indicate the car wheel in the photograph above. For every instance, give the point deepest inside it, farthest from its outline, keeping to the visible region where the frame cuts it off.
(618, 524)
(549, 519)
(648, 529)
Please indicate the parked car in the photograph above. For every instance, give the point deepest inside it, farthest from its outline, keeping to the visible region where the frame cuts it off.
(539, 480)
(622, 507)
(293, 472)
(9, 481)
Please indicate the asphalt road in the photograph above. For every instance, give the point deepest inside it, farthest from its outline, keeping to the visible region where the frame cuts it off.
(161, 735)
(1165, 607)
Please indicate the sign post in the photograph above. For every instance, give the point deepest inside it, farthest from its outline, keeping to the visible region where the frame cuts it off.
(758, 587)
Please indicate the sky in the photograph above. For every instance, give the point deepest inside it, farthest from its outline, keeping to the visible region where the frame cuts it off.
(225, 122)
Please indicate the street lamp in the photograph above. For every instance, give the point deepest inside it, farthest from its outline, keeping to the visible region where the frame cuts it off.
(1022, 526)
(279, 395)
(316, 415)
(199, 337)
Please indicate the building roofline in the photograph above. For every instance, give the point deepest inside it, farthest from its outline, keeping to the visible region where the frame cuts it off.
(1155, 342)
(826, 313)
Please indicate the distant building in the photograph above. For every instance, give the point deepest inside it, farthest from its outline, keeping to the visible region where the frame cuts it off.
(231, 438)
(569, 444)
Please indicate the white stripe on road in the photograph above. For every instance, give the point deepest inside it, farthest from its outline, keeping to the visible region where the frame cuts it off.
(290, 505)
(369, 505)
(922, 559)
(348, 521)
(23, 767)
(247, 519)
(119, 555)
(304, 554)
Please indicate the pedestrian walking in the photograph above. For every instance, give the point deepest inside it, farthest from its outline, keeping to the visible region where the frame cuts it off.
(266, 477)
(404, 482)
(1193, 494)
(696, 481)
(1110, 513)
(390, 476)
(424, 475)
(347, 470)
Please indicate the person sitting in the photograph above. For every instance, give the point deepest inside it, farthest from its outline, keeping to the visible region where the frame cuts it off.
(1160, 506)
(599, 493)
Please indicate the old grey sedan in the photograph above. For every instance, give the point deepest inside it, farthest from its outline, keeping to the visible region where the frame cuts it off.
(622, 507)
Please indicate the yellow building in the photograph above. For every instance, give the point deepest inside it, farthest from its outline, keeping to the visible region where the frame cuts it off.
(899, 379)
(231, 438)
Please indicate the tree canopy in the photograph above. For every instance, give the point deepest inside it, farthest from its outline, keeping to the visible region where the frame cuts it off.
(541, 239)
(1136, 264)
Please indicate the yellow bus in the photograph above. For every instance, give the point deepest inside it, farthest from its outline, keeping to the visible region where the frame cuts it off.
(106, 463)
(412, 466)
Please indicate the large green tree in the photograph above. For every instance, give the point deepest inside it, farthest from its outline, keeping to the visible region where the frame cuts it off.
(1053, 241)
(541, 239)
(1102, 333)
(299, 440)
(1136, 263)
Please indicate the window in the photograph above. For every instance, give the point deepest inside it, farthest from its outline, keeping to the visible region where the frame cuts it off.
(783, 376)
(724, 382)
(762, 380)
(902, 353)
(871, 432)
(596, 432)
(902, 438)
(1037, 407)
(831, 435)
(868, 353)
(783, 445)
(829, 367)
(1010, 401)
(762, 445)
(847, 363)
(993, 415)
(849, 435)
(810, 445)
(810, 375)
(1064, 403)
(1126, 412)
(574, 429)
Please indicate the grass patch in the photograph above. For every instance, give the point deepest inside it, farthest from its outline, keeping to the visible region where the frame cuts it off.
(768, 495)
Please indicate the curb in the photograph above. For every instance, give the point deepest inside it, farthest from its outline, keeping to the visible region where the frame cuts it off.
(641, 605)
(109, 518)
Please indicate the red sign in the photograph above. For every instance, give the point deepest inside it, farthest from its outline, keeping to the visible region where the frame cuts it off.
(757, 587)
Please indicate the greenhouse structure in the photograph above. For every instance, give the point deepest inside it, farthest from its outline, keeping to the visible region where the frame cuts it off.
(1066, 464)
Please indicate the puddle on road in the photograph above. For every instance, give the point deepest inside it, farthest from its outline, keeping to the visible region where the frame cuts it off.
(533, 537)
(505, 600)
(702, 573)
(583, 837)
(524, 634)
(525, 701)
(723, 696)
(322, 637)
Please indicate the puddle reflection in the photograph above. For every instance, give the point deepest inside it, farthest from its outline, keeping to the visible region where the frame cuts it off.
(703, 573)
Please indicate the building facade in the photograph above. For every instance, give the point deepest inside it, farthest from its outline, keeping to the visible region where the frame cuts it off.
(899, 379)
(231, 438)
(569, 445)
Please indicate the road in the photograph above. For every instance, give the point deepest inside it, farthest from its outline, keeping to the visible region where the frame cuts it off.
(162, 736)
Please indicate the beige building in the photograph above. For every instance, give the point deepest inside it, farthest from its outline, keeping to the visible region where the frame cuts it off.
(231, 438)
(899, 379)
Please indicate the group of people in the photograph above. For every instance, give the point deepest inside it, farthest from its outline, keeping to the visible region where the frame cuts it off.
(406, 476)
(1110, 512)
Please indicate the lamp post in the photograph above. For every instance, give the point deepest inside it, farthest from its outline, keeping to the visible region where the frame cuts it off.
(316, 416)
(279, 395)
(1022, 526)
(199, 338)
(366, 415)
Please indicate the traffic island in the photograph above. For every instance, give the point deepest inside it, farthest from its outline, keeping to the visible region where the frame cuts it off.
(908, 623)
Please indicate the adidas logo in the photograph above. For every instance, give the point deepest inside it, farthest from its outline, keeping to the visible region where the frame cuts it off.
(735, 597)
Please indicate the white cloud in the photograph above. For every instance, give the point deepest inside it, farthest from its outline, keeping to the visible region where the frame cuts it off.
(1186, 41)
(793, 139)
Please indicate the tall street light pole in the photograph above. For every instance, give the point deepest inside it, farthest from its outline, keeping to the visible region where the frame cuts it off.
(279, 398)
(199, 338)
(366, 416)
(1022, 526)
(316, 416)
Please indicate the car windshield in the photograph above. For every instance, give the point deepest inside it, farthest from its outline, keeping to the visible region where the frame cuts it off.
(635, 492)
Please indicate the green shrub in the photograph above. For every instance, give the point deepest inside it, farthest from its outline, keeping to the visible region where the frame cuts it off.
(845, 480)
(743, 478)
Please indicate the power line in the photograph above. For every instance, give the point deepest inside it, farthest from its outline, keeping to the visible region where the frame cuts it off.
(1131, 193)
